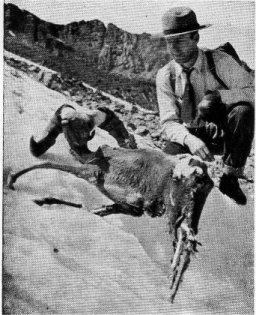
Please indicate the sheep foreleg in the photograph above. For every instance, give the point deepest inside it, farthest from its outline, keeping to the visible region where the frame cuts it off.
(118, 208)
(53, 201)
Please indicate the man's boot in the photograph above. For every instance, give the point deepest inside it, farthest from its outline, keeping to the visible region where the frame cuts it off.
(229, 186)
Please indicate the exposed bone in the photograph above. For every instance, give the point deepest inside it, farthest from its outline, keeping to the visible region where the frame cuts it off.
(178, 251)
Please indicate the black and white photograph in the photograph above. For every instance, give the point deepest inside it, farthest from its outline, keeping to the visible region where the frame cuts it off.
(128, 157)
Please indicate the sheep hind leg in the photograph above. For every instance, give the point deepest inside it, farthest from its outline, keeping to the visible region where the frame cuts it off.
(85, 172)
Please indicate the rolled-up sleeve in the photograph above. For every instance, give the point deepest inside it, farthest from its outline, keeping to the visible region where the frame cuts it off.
(239, 81)
(171, 124)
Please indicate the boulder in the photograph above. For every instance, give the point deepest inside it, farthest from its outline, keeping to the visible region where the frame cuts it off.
(141, 131)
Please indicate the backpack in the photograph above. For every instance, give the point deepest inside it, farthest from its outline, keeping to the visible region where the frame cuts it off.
(230, 50)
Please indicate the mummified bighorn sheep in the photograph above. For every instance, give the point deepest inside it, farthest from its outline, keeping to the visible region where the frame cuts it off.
(148, 181)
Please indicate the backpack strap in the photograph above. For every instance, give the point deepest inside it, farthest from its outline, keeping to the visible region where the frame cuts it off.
(212, 68)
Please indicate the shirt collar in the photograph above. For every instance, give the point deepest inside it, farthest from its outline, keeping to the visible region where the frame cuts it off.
(197, 66)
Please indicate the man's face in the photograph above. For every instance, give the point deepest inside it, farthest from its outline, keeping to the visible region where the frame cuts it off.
(182, 47)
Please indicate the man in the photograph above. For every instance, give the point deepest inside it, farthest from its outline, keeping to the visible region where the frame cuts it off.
(187, 90)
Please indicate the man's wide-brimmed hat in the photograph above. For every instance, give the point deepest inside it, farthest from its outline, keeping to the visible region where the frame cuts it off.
(180, 20)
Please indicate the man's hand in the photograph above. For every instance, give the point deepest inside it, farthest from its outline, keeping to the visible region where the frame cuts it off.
(212, 109)
(198, 147)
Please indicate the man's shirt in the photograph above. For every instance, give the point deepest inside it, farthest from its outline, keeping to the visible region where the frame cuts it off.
(239, 81)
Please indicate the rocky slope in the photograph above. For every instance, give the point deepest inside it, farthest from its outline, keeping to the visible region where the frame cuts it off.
(62, 260)
(106, 57)
(138, 120)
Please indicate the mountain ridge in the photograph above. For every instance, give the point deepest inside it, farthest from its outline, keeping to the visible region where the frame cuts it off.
(104, 56)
